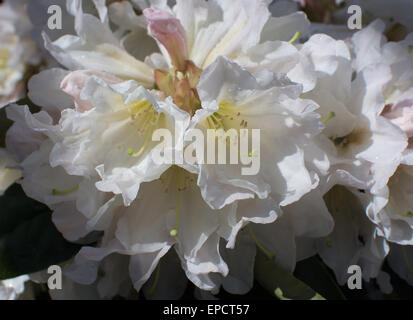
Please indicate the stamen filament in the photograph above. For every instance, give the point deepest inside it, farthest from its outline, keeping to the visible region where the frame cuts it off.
(253, 153)
(225, 110)
(211, 123)
(155, 283)
(132, 152)
(295, 37)
(174, 231)
(259, 245)
(406, 260)
(153, 122)
(65, 192)
(329, 242)
(166, 179)
(137, 106)
(329, 117)
(280, 295)
(407, 214)
(218, 122)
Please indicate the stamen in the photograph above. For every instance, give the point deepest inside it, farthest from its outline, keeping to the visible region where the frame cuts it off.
(166, 179)
(259, 245)
(318, 297)
(217, 121)
(329, 117)
(211, 123)
(406, 260)
(226, 111)
(253, 153)
(131, 151)
(150, 120)
(295, 37)
(280, 295)
(228, 105)
(65, 192)
(174, 232)
(407, 214)
(155, 283)
(329, 242)
(136, 106)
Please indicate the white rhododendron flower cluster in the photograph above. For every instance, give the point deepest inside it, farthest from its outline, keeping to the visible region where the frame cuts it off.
(335, 121)
(17, 51)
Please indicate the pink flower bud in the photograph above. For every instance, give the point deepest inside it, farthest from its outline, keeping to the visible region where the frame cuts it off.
(170, 33)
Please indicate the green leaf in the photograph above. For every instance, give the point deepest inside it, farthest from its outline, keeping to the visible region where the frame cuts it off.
(16, 207)
(281, 282)
(27, 102)
(5, 124)
(313, 272)
(29, 242)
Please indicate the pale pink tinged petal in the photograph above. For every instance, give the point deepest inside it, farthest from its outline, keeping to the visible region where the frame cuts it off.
(401, 114)
(170, 33)
(74, 83)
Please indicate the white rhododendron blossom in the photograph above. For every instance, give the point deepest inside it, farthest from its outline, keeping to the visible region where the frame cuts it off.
(351, 105)
(17, 51)
(200, 142)
(395, 221)
(11, 289)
